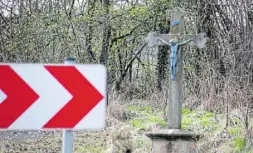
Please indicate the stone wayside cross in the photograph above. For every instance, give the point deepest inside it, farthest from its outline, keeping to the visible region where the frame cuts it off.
(176, 41)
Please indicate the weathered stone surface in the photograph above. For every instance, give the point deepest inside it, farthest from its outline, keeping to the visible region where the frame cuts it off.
(173, 141)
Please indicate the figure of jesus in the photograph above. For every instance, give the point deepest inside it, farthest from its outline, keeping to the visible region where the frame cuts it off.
(199, 41)
(174, 45)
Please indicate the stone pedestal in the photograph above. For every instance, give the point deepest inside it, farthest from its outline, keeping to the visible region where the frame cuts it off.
(173, 141)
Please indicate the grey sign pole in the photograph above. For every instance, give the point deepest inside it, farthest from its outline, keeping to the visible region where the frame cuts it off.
(67, 136)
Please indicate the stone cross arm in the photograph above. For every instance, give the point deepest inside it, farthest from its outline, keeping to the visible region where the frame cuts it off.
(153, 39)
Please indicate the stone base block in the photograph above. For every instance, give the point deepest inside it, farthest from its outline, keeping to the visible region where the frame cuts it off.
(173, 141)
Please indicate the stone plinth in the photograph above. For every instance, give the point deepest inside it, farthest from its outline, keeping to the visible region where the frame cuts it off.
(173, 141)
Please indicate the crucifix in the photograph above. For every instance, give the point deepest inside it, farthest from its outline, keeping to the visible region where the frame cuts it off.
(176, 42)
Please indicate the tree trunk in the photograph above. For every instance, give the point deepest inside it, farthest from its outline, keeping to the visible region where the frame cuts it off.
(21, 7)
(162, 62)
(90, 12)
(106, 34)
(106, 37)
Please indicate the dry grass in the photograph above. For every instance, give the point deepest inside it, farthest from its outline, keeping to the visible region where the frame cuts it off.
(116, 138)
(120, 135)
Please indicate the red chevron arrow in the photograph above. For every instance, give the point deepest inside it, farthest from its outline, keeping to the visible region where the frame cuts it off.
(19, 96)
(85, 97)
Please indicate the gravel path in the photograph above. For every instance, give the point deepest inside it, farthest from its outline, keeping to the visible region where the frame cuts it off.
(32, 141)
(22, 135)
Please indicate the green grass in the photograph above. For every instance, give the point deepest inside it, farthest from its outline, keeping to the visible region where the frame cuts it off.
(138, 123)
(89, 149)
(191, 120)
(146, 117)
(239, 143)
(195, 120)
(237, 130)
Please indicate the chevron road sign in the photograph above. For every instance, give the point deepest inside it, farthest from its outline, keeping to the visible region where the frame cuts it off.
(44, 96)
